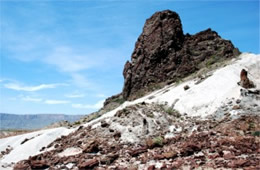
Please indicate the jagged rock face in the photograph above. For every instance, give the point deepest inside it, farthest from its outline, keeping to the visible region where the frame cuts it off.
(163, 53)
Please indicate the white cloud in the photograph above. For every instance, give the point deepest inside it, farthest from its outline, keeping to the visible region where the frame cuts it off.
(66, 60)
(101, 95)
(18, 87)
(97, 105)
(75, 95)
(57, 101)
(31, 99)
(80, 80)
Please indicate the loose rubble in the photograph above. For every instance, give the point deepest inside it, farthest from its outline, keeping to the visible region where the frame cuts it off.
(150, 136)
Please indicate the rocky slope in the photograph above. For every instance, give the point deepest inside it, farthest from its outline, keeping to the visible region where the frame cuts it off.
(149, 133)
(206, 121)
(164, 54)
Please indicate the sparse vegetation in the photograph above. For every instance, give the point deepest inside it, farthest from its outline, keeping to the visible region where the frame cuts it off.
(169, 110)
(118, 100)
(140, 93)
(178, 81)
(150, 114)
(154, 86)
(158, 141)
(76, 123)
(123, 112)
(256, 133)
(211, 61)
(251, 125)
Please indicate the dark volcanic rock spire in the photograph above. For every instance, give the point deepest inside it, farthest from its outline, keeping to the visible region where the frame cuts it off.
(162, 53)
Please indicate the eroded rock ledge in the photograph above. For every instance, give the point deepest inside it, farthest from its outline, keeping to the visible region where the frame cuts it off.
(164, 54)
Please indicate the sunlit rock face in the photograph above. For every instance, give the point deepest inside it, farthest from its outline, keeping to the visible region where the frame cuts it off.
(163, 53)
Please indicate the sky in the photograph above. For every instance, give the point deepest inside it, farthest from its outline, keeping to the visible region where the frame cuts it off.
(60, 56)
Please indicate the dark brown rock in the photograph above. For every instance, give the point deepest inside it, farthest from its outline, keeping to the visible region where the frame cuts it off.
(186, 87)
(138, 151)
(104, 124)
(151, 167)
(88, 164)
(92, 147)
(22, 165)
(25, 140)
(39, 164)
(109, 159)
(117, 135)
(237, 163)
(163, 53)
(244, 80)
(190, 149)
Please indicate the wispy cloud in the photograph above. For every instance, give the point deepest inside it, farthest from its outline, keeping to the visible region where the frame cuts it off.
(56, 101)
(97, 105)
(81, 81)
(75, 95)
(31, 99)
(67, 60)
(100, 95)
(18, 87)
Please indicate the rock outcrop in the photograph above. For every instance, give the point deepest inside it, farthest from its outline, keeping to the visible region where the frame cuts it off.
(244, 80)
(164, 54)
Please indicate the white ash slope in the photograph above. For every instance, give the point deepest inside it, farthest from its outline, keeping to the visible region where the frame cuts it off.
(201, 99)
(206, 97)
(35, 141)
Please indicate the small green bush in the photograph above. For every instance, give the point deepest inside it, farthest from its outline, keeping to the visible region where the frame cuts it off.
(171, 111)
(119, 100)
(158, 141)
(211, 60)
(256, 133)
(251, 125)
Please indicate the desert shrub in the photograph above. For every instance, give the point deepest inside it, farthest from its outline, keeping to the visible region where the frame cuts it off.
(251, 125)
(212, 60)
(256, 133)
(118, 100)
(170, 110)
(158, 141)
(150, 114)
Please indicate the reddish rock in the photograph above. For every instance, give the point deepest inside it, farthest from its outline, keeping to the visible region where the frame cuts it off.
(110, 158)
(228, 155)
(138, 151)
(177, 164)
(190, 148)
(244, 80)
(39, 164)
(149, 143)
(92, 147)
(88, 164)
(117, 135)
(166, 155)
(237, 163)
(22, 165)
(151, 167)
(236, 107)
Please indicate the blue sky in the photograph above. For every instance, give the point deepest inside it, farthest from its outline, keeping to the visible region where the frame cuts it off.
(67, 57)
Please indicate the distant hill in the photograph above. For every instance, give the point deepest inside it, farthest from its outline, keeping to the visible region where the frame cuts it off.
(34, 121)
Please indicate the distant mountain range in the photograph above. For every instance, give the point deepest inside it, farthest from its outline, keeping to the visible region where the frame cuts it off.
(32, 121)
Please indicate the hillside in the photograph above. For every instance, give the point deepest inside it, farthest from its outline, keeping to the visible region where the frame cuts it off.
(32, 121)
(150, 132)
(207, 117)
